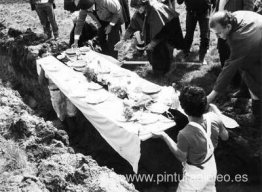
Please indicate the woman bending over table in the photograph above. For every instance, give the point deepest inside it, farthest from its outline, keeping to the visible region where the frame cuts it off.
(160, 29)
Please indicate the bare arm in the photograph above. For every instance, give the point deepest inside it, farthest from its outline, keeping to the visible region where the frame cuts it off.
(223, 133)
(181, 156)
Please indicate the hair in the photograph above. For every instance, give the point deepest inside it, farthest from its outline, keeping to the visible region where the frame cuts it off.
(193, 101)
(223, 18)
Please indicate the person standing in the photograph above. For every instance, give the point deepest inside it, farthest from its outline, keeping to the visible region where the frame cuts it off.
(243, 32)
(160, 30)
(45, 12)
(197, 11)
(109, 14)
(197, 141)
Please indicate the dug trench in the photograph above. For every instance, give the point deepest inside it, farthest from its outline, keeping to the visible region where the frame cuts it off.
(73, 150)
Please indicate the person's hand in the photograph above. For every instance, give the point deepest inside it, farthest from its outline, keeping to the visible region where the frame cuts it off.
(158, 134)
(108, 29)
(151, 46)
(75, 44)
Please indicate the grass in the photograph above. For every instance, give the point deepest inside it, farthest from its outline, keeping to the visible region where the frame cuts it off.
(12, 157)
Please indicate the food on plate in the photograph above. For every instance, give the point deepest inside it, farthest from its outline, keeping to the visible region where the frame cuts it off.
(128, 113)
(157, 108)
(90, 74)
(137, 101)
(119, 91)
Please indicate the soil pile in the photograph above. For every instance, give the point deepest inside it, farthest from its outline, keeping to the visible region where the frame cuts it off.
(35, 155)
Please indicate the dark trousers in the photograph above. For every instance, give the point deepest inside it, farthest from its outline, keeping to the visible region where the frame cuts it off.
(170, 37)
(108, 42)
(160, 57)
(191, 20)
(46, 15)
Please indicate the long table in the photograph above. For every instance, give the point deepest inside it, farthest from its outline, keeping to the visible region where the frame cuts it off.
(124, 137)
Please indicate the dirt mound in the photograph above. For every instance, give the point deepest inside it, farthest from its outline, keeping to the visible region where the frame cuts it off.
(36, 155)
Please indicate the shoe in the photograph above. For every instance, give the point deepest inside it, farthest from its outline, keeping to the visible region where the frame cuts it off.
(241, 94)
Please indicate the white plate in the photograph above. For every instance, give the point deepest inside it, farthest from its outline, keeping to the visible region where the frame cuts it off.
(94, 86)
(157, 108)
(96, 99)
(148, 118)
(151, 89)
(229, 122)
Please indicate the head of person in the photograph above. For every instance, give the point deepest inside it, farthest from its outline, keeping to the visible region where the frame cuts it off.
(140, 5)
(221, 23)
(84, 4)
(193, 101)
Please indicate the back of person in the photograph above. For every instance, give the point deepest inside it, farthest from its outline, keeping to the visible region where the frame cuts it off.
(106, 9)
(197, 5)
(191, 139)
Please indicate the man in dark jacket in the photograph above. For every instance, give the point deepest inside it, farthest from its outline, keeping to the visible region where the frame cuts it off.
(222, 46)
(197, 11)
(45, 12)
(243, 31)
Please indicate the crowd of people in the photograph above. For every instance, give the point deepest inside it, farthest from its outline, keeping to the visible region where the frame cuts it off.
(238, 26)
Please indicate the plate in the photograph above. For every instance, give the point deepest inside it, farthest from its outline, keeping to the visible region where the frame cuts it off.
(229, 122)
(84, 49)
(60, 57)
(82, 69)
(94, 86)
(158, 108)
(96, 99)
(79, 64)
(70, 52)
(151, 89)
(123, 119)
(148, 118)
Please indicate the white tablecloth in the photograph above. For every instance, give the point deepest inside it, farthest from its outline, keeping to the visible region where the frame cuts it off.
(124, 137)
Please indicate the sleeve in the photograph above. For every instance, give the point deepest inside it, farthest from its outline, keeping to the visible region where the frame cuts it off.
(80, 23)
(114, 7)
(133, 27)
(232, 65)
(182, 142)
(248, 5)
